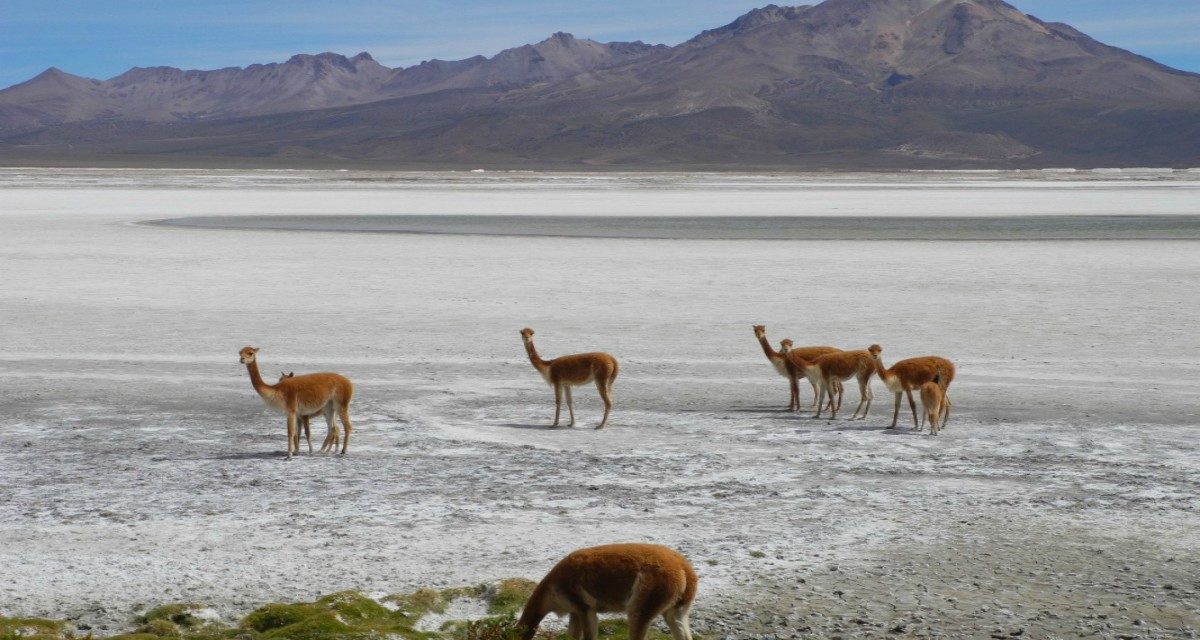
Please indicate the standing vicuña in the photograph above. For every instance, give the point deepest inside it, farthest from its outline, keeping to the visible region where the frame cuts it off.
(831, 369)
(331, 438)
(906, 375)
(305, 395)
(779, 362)
(643, 580)
(796, 358)
(565, 372)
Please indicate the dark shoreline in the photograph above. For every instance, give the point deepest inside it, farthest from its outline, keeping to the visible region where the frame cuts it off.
(832, 228)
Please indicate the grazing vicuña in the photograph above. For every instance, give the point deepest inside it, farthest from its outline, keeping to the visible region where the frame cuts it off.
(642, 580)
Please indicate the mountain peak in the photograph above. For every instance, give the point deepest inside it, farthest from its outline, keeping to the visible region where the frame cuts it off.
(752, 20)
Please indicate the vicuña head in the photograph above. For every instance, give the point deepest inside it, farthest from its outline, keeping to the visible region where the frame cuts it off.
(247, 354)
(760, 330)
(874, 350)
(785, 345)
(527, 335)
(641, 580)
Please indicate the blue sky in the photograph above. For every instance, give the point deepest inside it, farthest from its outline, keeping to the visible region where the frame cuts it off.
(101, 38)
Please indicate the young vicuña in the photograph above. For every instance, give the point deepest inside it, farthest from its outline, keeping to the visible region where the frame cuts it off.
(935, 405)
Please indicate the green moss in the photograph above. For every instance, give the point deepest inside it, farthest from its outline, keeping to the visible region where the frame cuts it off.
(493, 628)
(618, 629)
(160, 627)
(179, 614)
(278, 616)
(418, 603)
(353, 607)
(757, 554)
(31, 629)
(135, 636)
(510, 596)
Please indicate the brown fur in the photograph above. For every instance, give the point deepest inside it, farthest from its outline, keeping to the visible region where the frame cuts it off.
(303, 395)
(641, 580)
(831, 369)
(906, 375)
(565, 372)
(779, 361)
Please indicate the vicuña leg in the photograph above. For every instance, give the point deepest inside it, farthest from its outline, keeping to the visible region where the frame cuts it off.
(570, 404)
(591, 625)
(557, 403)
(896, 413)
(307, 434)
(639, 625)
(344, 414)
(677, 621)
(864, 396)
(291, 432)
(912, 404)
(605, 389)
(331, 433)
(575, 626)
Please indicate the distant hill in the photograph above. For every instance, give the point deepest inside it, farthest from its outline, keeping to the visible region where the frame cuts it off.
(842, 84)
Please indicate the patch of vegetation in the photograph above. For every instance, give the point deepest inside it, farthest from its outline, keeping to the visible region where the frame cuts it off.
(510, 596)
(179, 614)
(346, 615)
(757, 554)
(31, 629)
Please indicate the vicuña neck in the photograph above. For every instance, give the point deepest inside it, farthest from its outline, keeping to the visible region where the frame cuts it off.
(537, 361)
(766, 347)
(883, 373)
(534, 612)
(256, 379)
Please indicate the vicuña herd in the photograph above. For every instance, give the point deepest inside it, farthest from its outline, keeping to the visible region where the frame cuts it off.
(644, 581)
(825, 368)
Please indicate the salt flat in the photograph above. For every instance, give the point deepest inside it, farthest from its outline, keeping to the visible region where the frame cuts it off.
(138, 466)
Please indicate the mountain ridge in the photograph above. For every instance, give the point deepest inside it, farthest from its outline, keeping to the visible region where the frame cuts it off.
(904, 83)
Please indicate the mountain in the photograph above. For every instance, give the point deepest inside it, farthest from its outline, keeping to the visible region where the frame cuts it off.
(304, 82)
(840, 84)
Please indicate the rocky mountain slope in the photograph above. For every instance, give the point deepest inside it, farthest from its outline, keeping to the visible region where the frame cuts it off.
(845, 83)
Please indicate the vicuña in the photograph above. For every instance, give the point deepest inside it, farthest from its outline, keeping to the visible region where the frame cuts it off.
(565, 372)
(936, 406)
(779, 362)
(906, 375)
(642, 580)
(830, 370)
(305, 395)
